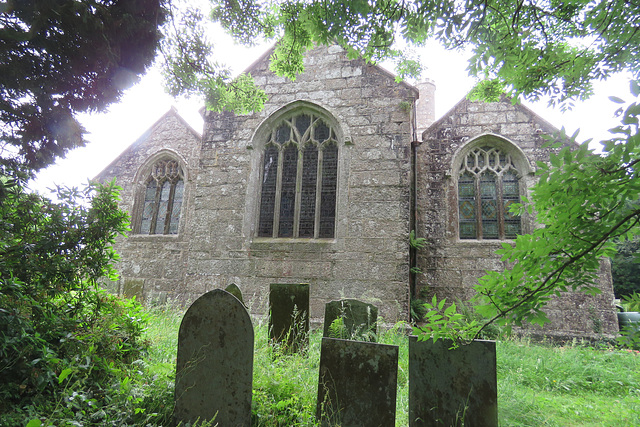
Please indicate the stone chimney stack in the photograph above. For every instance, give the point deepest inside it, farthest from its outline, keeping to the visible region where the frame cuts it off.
(425, 106)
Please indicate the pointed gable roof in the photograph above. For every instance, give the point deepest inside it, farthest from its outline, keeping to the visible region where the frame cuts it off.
(131, 151)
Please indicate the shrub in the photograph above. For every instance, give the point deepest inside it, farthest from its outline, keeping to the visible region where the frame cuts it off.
(65, 345)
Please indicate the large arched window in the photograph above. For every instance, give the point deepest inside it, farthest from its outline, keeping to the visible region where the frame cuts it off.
(164, 189)
(299, 178)
(488, 184)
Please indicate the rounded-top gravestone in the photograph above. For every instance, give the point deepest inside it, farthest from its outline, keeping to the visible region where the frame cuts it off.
(214, 369)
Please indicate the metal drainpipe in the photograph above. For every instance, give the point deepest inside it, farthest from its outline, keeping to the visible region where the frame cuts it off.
(413, 260)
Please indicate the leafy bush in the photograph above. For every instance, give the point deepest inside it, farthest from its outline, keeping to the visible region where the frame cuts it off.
(67, 348)
(625, 268)
(631, 302)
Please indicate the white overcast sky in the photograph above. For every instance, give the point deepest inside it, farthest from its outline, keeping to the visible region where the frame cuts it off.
(111, 132)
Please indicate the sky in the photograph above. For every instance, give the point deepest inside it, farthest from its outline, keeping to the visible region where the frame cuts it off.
(111, 132)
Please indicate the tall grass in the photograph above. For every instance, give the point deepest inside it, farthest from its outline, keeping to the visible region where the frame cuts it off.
(538, 385)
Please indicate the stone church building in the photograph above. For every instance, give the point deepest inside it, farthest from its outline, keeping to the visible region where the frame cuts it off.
(324, 185)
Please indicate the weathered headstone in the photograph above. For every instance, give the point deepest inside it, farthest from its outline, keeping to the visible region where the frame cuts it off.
(357, 383)
(289, 315)
(452, 387)
(234, 290)
(214, 368)
(133, 288)
(359, 319)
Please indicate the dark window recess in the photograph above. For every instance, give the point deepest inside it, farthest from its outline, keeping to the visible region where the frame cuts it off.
(328, 197)
(268, 198)
(488, 185)
(288, 191)
(162, 199)
(308, 191)
(299, 179)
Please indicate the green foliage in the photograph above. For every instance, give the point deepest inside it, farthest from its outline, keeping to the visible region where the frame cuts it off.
(625, 267)
(64, 344)
(337, 329)
(285, 383)
(416, 243)
(442, 321)
(189, 69)
(584, 202)
(631, 302)
(487, 90)
(574, 384)
(64, 57)
(418, 310)
(537, 384)
(530, 48)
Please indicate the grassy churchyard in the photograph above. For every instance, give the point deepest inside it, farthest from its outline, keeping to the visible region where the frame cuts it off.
(538, 384)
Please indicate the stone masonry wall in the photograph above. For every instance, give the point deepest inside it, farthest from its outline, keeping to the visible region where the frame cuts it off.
(368, 258)
(153, 264)
(450, 265)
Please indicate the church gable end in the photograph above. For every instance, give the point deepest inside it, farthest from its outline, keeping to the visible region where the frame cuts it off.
(343, 227)
(324, 185)
(472, 164)
(157, 175)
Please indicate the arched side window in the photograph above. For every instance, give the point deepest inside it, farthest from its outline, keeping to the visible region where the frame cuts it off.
(299, 179)
(164, 190)
(488, 184)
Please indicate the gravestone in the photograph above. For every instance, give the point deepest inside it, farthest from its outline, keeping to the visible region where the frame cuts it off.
(214, 368)
(452, 387)
(234, 290)
(133, 288)
(357, 383)
(359, 319)
(289, 315)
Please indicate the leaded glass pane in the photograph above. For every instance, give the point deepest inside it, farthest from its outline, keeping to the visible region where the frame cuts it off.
(162, 207)
(507, 213)
(283, 133)
(321, 132)
(268, 197)
(489, 229)
(175, 207)
(487, 185)
(302, 123)
(302, 212)
(328, 192)
(467, 210)
(498, 188)
(468, 230)
(308, 192)
(510, 187)
(149, 207)
(488, 205)
(467, 206)
(489, 210)
(512, 229)
(466, 186)
(288, 191)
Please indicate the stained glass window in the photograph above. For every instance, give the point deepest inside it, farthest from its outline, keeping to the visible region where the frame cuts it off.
(162, 199)
(488, 185)
(299, 179)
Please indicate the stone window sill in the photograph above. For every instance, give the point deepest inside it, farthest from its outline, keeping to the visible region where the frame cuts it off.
(287, 242)
(154, 237)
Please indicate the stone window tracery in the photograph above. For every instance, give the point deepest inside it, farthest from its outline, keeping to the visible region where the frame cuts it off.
(299, 179)
(488, 184)
(164, 190)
